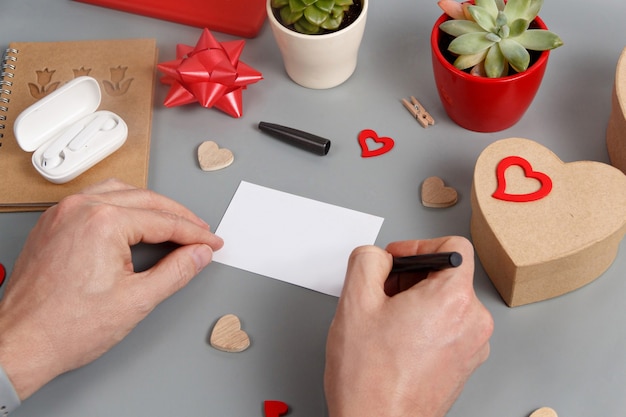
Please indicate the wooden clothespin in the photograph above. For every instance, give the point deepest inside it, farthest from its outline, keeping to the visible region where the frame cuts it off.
(419, 112)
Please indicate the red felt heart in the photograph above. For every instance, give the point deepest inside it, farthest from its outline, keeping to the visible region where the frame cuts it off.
(366, 152)
(275, 408)
(544, 181)
(3, 274)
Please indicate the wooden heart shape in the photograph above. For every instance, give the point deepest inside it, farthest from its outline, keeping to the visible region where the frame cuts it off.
(275, 408)
(544, 412)
(228, 336)
(211, 157)
(616, 129)
(535, 250)
(367, 135)
(435, 194)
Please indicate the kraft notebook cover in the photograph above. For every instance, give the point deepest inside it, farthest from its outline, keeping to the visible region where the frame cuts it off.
(126, 72)
(236, 17)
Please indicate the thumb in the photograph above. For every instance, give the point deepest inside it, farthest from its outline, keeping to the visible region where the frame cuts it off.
(368, 269)
(176, 269)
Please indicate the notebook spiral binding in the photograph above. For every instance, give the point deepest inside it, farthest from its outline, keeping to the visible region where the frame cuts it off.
(6, 73)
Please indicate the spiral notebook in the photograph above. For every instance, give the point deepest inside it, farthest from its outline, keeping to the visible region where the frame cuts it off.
(125, 70)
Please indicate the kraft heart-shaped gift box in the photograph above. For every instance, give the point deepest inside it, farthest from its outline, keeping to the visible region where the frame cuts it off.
(616, 129)
(542, 227)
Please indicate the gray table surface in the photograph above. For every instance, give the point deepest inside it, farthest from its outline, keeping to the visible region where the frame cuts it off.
(567, 353)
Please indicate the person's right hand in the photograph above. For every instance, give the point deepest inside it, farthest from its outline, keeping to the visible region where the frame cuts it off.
(408, 355)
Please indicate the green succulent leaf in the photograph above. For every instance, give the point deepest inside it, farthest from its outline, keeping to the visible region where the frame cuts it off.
(297, 6)
(484, 19)
(516, 9)
(504, 31)
(345, 4)
(517, 56)
(517, 27)
(467, 61)
(309, 2)
(460, 27)
(539, 40)
(501, 19)
(277, 4)
(325, 5)
(533, 10)
(334, 20)
(470, 43)
(337, 13)
(288, 17)
(493, 37)
(314, 15)
(495, 63)
(489, 5)
(304, 26)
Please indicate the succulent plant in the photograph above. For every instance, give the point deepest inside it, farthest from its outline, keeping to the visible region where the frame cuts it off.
(495, 35)
(312, 16)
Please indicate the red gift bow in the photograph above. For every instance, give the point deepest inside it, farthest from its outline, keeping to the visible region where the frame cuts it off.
(209, 73)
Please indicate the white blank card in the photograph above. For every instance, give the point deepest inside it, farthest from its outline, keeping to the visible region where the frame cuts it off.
(291, 238)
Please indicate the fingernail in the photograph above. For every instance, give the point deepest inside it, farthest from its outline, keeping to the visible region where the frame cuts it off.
(202, 256)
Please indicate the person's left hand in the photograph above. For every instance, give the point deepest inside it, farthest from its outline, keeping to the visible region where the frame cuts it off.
(73, 293)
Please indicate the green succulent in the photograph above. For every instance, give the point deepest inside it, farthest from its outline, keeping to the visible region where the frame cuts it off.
(312, 16)
(498, 36)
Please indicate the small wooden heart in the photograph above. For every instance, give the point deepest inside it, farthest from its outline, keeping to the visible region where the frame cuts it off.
(211, 157)
(228, 336)
(544, 412)
(436, 195)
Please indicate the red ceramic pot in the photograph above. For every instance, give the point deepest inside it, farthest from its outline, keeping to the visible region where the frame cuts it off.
(479, 103)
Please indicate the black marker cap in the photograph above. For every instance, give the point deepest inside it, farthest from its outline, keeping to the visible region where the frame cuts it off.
(304, 140)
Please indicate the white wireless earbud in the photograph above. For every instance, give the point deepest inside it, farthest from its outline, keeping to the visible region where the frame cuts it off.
(76, 138)
(102, 122)
(52, 156)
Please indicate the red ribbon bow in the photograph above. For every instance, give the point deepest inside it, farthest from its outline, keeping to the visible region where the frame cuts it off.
(209, 73)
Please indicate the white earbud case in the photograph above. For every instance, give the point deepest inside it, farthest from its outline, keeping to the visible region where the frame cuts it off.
(66, 133)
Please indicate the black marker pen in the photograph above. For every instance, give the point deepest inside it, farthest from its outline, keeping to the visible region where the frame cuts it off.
(409, 270)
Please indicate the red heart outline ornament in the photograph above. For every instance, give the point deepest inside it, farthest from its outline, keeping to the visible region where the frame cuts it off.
(366, 152)
(3, 274)
(544, 180)
(275, 408)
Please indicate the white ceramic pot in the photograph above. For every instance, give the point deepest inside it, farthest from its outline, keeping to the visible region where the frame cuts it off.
(319, 61)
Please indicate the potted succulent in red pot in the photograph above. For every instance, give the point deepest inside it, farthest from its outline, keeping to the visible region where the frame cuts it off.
(489, 57)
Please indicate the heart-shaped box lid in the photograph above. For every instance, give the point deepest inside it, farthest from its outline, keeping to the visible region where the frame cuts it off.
(58, 110)
(542, 227)
(616, 128)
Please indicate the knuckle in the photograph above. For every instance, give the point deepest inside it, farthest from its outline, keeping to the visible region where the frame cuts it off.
(184, 269)
(488, 324)
(140, 303)
(87, 213)
(367, 251)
